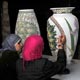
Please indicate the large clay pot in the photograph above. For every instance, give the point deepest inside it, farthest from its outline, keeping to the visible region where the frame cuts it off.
(63, 22)
(26, 24)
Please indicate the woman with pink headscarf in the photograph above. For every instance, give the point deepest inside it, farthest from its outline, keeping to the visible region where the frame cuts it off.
(33, 66)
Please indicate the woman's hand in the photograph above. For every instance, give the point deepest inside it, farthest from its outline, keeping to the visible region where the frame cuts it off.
(61, 41)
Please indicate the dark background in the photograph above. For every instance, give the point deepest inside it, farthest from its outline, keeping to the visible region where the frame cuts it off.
(42, 12)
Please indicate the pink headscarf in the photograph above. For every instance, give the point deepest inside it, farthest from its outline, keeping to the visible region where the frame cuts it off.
(33, 47)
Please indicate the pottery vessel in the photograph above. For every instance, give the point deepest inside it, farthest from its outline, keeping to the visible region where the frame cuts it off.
(63, 22)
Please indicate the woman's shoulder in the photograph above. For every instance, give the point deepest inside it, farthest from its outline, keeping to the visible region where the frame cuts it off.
(9, 52)
(10, 55)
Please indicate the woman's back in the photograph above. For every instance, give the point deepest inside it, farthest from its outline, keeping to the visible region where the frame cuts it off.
(8, 65)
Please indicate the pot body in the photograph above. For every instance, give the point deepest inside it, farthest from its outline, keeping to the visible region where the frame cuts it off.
(26, 24)
(63, 22)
